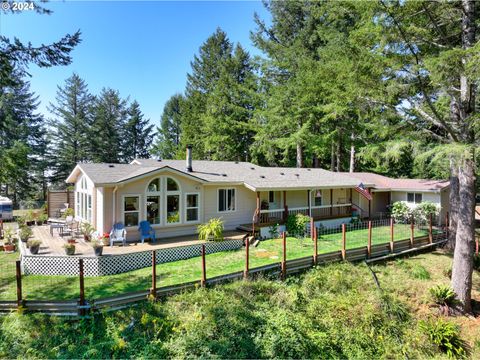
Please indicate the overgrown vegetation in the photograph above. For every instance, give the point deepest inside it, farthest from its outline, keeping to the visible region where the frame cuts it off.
(334, 311)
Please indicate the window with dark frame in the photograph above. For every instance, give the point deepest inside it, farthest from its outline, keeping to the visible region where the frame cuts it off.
(226, 200)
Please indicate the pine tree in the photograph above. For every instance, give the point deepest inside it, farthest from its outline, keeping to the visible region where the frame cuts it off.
(137, 134)
(167, 143)
(70, 127)
(106, 132)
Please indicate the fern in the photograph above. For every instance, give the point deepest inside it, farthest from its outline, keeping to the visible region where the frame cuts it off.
(442, 295)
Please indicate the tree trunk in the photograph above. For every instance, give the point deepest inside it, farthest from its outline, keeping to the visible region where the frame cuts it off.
(299, 155)
(339, 155)
(315, 161)
(464, 247)
(454, 205)
(352, 155)
(332, 157)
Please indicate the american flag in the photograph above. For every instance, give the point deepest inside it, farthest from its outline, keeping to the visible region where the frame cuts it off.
(362, 190)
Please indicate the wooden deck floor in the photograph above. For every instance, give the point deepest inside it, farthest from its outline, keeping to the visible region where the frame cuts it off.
(53, 245)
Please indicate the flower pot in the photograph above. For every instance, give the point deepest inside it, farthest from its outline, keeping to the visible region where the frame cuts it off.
(98, 251)
(70, 251)
(9, 247)
(71, 241)
(106, 241)
(34, 249)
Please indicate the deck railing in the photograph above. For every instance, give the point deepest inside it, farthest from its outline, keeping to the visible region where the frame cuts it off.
(317, 212)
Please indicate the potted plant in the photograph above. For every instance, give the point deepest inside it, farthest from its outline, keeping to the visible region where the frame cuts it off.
(106, 239)
(42, 219)
(34, 246)
(68, 212)
(69, 249)
(87, 231)
(24, 233)
(30, 217)
(71, 241)
(8, 244)
(21, 221)
(97, 247)
(211, 231)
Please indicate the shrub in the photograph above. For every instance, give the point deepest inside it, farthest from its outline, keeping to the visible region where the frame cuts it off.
(442, 295)
(273, 231)
(296, 225)
(212, 230)
(446, 336)
(402, 212)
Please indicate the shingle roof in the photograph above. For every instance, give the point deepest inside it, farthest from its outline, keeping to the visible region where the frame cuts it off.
(385, 183)
(251, 175)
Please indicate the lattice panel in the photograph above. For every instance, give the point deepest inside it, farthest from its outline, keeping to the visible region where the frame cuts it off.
(117, 264)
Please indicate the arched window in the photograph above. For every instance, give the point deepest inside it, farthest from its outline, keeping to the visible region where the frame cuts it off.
(173, 201)
(153, 202)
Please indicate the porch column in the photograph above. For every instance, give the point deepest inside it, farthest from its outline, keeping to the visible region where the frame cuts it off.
(285, 207)
(309, 203)
(331, 202)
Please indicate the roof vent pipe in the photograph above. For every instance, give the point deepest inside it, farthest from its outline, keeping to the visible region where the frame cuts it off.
(189, 159)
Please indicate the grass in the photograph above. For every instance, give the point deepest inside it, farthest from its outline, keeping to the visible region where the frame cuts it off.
(268, 252)
(333, 311)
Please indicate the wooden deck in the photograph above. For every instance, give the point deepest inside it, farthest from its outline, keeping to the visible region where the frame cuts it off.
(53, 245)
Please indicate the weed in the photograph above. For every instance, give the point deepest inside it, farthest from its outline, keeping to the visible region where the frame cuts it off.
(446, 336)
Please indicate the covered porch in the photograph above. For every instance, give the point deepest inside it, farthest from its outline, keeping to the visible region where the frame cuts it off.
(273, 206)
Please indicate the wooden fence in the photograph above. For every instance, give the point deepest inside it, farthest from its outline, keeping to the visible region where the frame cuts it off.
(83, 307)
(56, 200)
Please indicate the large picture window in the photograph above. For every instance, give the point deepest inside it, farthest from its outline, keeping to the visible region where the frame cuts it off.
(226, 200)
(131, 210)
(192, 207)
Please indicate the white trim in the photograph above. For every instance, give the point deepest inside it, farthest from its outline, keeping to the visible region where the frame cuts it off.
(186, 208)
(218, 198)
(123, 212)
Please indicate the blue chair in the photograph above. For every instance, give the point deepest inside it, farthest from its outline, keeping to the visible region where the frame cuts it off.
(146, 231)
(118, 234)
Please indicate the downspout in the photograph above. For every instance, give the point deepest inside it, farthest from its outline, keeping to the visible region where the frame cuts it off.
(114, 210)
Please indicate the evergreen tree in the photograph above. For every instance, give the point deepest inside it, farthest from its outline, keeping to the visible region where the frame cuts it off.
(137, 134)
(106, 132)
(22, 139)
(167, 144)
(70, 127)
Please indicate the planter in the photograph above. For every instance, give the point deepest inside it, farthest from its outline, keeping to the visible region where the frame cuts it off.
(70, 250)
(34, 249)
(106, 241)
(9, 247)
(98, 251)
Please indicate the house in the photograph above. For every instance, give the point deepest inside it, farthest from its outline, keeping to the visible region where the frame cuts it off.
(176, 195)
(386, 191)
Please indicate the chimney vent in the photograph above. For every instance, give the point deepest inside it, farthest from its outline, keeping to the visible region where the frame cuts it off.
(189, 159)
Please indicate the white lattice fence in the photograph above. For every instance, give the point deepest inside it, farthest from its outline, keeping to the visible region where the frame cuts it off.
(117, 264)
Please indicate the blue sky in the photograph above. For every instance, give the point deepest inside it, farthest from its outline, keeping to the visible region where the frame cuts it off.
(141, 48)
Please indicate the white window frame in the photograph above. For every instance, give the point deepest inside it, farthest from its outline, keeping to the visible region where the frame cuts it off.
(172, 193)
(192, 207)
(159, 194)
(218, 199)
(415, 193)
(132, 211)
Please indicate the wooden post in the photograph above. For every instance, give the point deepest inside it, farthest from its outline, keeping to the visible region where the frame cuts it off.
(391, 236)
(315, 246)
(18, 271)
(203, 282)
(81, 311)
(430, 232)
(344, 242)
(369, 245)
(412, 231)
(247, 260)
(284, 256)
(312, 228)
(153, 289)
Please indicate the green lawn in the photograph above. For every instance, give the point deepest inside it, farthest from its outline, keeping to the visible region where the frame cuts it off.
(269, 251)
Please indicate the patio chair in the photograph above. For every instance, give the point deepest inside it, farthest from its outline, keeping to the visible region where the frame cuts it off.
(146, 231)
(118, 234)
